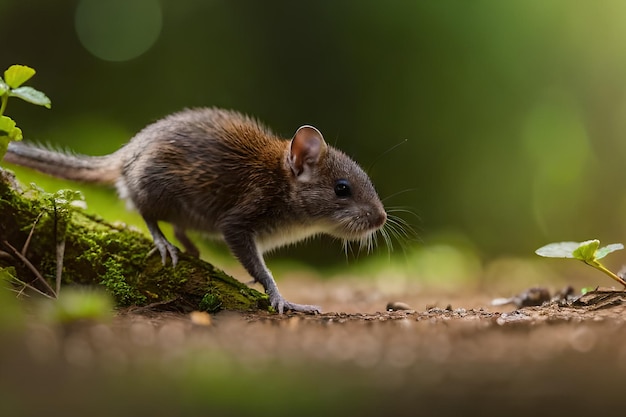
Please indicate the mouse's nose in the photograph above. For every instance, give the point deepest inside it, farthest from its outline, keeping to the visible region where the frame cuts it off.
(377, 218)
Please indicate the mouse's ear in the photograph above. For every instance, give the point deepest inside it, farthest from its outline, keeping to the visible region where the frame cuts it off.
(307, 148)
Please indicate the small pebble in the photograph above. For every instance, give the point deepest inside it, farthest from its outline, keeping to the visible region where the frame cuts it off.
(398, 306)
(200, 318)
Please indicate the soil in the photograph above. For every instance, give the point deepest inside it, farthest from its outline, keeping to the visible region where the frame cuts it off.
(462, 356)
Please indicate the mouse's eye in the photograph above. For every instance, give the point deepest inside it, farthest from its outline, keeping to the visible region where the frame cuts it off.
(342, 188)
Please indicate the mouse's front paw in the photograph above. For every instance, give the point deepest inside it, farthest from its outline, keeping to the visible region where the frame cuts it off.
(280, 304)
(305, 308)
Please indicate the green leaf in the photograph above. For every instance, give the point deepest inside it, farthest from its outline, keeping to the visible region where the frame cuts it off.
(3, 87)
(31, 95)
(558, 250)
(17, 75)
(587, 250)
(16, 134)
(64, 200)
(602, 252)
(8, 132)
(66, 196)
(6, 126)
(8, 129)
(584, 251)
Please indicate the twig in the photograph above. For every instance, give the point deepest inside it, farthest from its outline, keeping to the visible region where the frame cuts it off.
(30, 234)
(31, 267)
(60, 255)
(20, 292)
(6, 255)
(27, 285)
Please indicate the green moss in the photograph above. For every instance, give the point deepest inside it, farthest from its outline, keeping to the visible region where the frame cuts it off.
(114, 280)
(211, 302)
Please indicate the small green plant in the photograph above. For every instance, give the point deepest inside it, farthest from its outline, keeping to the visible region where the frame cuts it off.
(77, 304)
(589, 252)
(11, 86)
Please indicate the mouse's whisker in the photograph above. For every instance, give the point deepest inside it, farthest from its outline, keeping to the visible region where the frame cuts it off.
(396, 228)
(398, 193)
(384, 232)
(368, 243)
(404, 210)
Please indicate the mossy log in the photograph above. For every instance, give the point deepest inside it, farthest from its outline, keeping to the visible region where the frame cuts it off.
(95, 252)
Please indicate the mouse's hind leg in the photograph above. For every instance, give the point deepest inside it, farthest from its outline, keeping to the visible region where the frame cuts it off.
(164, 247)
(181, 236)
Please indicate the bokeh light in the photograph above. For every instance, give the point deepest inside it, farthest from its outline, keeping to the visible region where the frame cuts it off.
(118, 30)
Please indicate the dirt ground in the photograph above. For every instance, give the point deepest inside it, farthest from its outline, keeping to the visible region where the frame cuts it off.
(445, 355)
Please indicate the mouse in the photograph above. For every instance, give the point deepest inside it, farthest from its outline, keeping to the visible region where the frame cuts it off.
(226, 174)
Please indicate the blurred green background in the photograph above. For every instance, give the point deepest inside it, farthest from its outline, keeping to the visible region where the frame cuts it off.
(512, 112)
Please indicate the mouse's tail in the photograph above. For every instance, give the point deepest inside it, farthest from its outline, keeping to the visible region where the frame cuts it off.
(97, 169)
